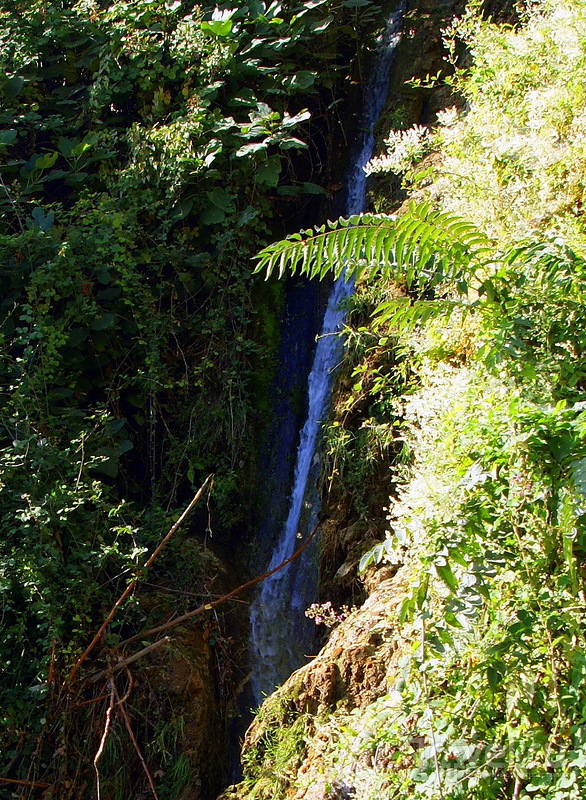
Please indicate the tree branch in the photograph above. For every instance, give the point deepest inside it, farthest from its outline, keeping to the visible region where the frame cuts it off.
(190, 614)
(131, 586)
(34, 784)
(135, 743)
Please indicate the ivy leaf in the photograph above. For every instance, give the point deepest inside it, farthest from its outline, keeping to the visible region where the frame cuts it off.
(43, 221)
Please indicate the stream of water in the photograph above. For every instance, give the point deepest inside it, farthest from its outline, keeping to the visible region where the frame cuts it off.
(281, 636)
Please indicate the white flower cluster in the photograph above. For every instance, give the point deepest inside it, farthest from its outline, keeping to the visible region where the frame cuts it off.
(403, 149)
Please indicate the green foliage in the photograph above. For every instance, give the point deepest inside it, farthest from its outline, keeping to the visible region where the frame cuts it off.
(488, 698)
(523, 126)
(143, 148)
(270, 764)
(421, 249)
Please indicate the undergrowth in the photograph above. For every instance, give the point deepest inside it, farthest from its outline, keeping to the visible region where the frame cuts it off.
(489, 512)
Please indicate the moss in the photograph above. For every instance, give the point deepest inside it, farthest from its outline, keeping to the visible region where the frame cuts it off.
(271, 763)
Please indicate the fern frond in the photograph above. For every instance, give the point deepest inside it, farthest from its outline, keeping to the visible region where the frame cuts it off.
(422, 246)
(406, 315)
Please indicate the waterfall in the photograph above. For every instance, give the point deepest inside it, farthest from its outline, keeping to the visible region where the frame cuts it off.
(279, 638)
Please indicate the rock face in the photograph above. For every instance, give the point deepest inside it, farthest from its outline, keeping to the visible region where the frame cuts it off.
(182, 682)
(286, 748)
(192, 683)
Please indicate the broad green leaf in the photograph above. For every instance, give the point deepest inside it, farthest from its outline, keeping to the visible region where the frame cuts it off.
(444, 571)
(221, 198)
(268, 174)
(252, 147)
(42, 220)
(493, 677)
(217, 27)
(46, 161)
(312, 188)
(13, 87)
(103, 322)
(7, 137)
(212, 215)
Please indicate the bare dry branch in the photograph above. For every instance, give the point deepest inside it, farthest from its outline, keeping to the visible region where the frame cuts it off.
(147, 772)
(173, 623)
(33, 784)
(131, 586)
(104, 738)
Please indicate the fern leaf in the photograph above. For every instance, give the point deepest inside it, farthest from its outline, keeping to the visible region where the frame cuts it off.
(422, 246)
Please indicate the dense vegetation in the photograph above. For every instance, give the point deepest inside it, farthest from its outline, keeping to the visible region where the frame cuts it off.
(479, 294)
(147, 149)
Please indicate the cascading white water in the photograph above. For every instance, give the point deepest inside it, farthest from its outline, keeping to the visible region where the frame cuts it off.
(276, 647)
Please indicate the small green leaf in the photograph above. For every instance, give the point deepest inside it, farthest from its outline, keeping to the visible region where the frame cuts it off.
(444, 571)
(103, 322)
(13, 87)
(493, 677)
(422, 590)
(7, 137)
(366, 560)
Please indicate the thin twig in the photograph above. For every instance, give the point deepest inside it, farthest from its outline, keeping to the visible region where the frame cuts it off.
(196, 612)
(93, 700)
(105, 733)
(33, 784)
(136, 747)
(130, 687)
(438, 774)
(130, 660)
(131, 586)
(168, 589)
(215, 603)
